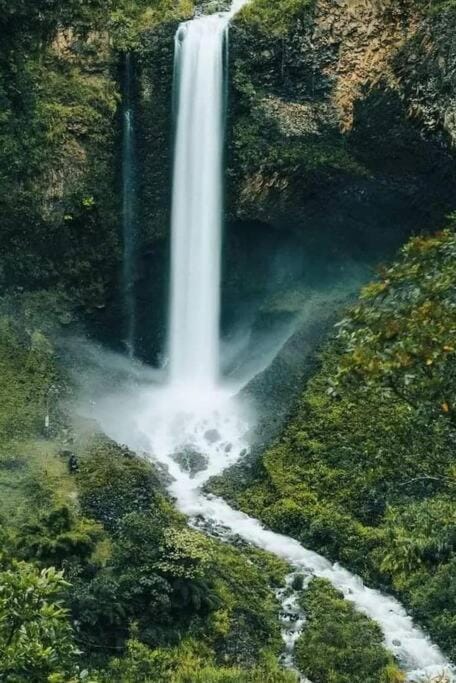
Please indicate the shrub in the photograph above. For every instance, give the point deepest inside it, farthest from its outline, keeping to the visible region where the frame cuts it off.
(338, 644)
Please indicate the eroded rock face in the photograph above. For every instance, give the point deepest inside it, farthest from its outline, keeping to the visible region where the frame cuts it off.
(58, 195)
(426, 68)
(349, 109)
(155, 118)
(365, 37)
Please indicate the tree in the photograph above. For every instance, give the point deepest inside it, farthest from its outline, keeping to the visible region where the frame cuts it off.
(36, 638)
(59, 536)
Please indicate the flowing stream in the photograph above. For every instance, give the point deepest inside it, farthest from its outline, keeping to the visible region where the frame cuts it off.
(194, 425)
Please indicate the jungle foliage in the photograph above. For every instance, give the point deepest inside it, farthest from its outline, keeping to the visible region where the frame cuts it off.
(36, 639)
(365, 470)
(350, 646)
(100, 578)
(276, 17)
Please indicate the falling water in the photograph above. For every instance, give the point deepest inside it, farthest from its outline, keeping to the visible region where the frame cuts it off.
(128, 209)
(196, 413)
(197, 200)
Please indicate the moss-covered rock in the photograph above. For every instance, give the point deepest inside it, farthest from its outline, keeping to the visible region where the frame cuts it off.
(60, 135)
(57, 169)
(321, 115)
(113, 483)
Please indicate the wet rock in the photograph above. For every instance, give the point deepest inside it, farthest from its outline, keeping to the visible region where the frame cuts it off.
(73, 464)
(191, 461)
(212, 436)
(298, 582)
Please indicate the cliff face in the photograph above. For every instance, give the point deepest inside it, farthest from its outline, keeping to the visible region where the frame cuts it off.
(61, 144)
(155, 61)
(343, 119)
(352, 93)
(58, 168)
(340, 141)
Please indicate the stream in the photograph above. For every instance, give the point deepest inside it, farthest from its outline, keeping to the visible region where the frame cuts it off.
(176, 425)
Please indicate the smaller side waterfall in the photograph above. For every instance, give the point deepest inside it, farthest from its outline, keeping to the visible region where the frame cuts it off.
(128, 209)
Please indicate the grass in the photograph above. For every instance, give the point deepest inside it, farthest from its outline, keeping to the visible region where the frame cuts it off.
(32, 474)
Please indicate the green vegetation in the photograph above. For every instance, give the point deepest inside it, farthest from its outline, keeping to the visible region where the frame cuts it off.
(365, 470)
(31, 471)
(98, 571)
(27, 372)
(57, 537)
(36, 639)
(33, 23)
(186, 665)
(276, 18)
(350, 646)
(129, 18)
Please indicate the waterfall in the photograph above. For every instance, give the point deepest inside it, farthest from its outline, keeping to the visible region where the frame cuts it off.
(196, 413)
(196, 229)
(128, 210)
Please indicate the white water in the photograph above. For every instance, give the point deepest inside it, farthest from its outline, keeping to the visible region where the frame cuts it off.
(197, 414)
(415, 652)
(197, 201)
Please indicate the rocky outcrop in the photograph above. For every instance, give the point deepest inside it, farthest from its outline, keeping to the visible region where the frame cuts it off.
(345, 114)
(155, 61)
(58, 169)
(363, 37)
(426, 69)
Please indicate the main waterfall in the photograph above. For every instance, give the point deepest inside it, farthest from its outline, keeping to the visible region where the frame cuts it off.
(197, 201)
